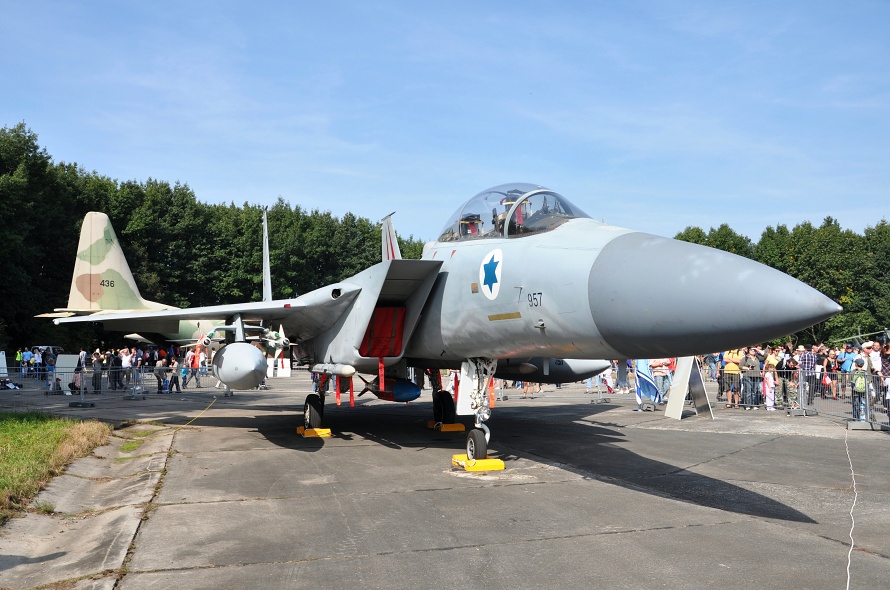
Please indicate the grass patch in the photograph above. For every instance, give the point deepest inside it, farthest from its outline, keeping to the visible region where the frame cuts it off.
(131, 445)
(34, 447)
(45, 507)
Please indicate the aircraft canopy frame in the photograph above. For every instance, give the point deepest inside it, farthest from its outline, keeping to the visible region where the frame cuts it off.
(509, 210)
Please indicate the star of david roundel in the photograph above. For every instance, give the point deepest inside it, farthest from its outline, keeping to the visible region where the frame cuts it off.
(490, 274)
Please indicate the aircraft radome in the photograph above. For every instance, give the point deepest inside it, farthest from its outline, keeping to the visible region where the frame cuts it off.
(519, 276)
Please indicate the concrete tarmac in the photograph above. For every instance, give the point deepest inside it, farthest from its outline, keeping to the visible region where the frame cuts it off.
(593, 495)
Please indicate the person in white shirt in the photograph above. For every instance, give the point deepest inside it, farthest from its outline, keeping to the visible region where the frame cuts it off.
(126, 365)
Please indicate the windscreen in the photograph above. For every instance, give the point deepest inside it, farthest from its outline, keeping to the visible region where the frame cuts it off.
(509, 210)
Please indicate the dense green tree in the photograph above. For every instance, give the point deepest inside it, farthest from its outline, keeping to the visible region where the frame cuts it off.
(723, 238)
(232, 267)
(693, 235)
(828, 259)
(871, 274)
(40, 239)
(726, 239)
(410, 247)
(774, 247)
(287, 253)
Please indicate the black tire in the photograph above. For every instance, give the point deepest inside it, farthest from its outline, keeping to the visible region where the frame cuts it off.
(477, 446)
(443, 408)
(313, 411)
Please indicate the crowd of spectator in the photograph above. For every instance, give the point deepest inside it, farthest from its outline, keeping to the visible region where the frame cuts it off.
(116, 369)
(770, 377)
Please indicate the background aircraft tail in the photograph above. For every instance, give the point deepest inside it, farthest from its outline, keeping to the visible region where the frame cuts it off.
(267, 268)
(391, 249)
(102, 278)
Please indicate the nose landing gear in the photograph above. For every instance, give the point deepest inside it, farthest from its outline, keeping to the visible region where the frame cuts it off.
(477, 443)
(473, 400)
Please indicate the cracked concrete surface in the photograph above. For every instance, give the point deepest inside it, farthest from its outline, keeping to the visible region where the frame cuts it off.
(593, 494)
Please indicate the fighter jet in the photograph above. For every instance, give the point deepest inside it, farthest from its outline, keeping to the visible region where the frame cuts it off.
(519, 276)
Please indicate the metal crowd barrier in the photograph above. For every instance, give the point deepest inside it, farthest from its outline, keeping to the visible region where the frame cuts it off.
(836, 394)
(799, 392)
(56, 381)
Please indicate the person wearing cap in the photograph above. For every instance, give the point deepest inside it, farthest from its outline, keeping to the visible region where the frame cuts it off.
(845, 358)
(875, 355)
(877, 372)
(859, 380)
(865, 355)
(872, 370)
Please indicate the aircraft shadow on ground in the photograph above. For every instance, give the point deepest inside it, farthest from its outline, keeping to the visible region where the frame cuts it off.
(597, 451)
(386, 424)
(569, 438)
(10, 561)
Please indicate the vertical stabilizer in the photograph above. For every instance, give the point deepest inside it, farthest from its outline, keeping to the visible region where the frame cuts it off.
(390, 241)
(267, 268)
(102, 279)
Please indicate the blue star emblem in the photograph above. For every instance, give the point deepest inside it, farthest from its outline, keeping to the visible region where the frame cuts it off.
(491, 278)
(490, 274)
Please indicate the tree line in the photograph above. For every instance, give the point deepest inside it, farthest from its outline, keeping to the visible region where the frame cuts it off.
(188, 253)
(181, 251)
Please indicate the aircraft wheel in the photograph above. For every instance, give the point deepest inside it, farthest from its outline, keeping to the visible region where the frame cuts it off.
(477, 446)
(313, 411)
(443, 407)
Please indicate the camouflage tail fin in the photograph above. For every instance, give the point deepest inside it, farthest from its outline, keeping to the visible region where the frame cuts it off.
(102, 279)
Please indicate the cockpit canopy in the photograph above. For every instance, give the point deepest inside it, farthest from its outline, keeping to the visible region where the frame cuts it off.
(509, 210)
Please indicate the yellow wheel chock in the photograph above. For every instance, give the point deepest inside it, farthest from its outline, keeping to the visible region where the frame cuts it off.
(445, 427)
(478, 464)
(313, 432)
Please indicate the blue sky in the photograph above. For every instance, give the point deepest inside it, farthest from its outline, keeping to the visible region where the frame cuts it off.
(650, 115)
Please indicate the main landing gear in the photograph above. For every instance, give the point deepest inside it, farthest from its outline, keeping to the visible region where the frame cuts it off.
(313, 411)
(443, 408)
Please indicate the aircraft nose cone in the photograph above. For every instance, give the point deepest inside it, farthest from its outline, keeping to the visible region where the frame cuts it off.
(652, 296)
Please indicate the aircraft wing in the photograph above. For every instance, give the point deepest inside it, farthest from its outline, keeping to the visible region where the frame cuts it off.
(305, 316)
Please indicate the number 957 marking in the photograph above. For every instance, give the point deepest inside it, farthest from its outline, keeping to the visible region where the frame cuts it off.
(535, 299)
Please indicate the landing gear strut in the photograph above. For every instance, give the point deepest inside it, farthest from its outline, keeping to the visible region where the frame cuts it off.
(475, 375)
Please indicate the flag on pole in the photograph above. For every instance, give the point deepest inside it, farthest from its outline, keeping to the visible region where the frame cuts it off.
(645, 383)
